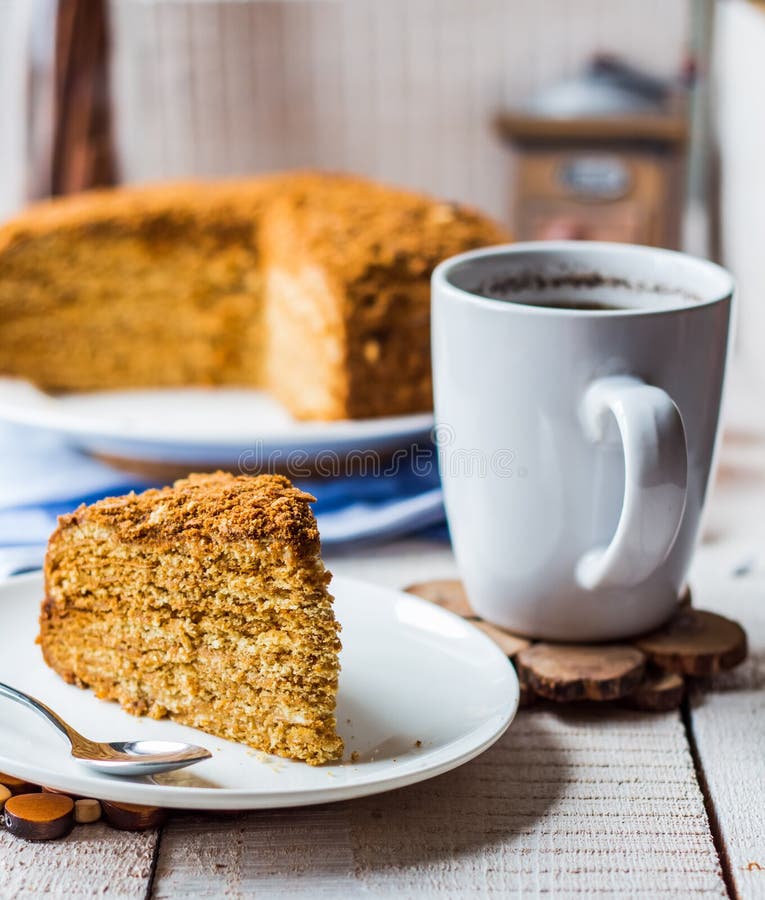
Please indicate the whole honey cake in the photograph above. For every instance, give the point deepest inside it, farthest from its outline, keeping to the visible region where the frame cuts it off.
(313, 286)
(206, 602)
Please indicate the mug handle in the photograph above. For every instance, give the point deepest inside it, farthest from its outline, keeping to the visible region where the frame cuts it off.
(655, 479)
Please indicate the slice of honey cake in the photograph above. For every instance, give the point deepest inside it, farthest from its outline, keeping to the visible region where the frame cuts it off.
(206, 602)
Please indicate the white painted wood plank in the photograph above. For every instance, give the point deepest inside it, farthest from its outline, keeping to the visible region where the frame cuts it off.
(390, 89)
(360, 134)
(16, 20)
(143, 117)
(739, 72)
(325, 22)
(208, 94)
(302, 119)
(150, 80)
(728, 723)
(267, 30)
(94, 860)
(174, 93)
(574, 803)
(41, 101)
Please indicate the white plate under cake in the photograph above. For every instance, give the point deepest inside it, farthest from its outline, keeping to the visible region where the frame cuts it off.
(421, 692)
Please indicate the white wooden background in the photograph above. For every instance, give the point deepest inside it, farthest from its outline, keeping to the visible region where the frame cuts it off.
(402, 90)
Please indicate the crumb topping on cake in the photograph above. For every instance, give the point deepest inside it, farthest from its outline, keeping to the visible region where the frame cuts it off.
(354, 227)
(195, 203)
(217, 507)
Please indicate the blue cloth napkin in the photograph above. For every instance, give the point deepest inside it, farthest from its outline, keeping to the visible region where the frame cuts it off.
(41, 478)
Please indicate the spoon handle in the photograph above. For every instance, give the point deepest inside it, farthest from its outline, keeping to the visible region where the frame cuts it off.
(41, 709)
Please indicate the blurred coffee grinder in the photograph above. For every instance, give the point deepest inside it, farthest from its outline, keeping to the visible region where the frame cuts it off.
(600, 157)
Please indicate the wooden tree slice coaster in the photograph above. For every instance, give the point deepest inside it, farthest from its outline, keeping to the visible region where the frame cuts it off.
(696, 642)
(39, 817)
(692, 643)
(132, 816)
(49, 790)
(568, 672)
(18, 785)
(447, 593)
(450, 594)
(659, 692)
(86, 811)
(510, 644)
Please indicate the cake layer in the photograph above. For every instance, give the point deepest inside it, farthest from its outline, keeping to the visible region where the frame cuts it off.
(206, 603)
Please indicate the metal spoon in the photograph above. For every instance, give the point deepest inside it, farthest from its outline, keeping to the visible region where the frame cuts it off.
(117, 757)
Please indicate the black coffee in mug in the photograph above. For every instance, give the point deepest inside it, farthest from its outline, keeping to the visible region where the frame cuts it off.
(552, 292)
(572, 304)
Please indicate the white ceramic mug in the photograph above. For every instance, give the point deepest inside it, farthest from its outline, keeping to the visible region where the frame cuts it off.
(576, 446)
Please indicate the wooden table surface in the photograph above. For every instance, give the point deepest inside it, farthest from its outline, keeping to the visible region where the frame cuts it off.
(585, 802)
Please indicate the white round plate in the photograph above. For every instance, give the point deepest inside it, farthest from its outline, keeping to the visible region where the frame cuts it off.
(224, 426)
(421, 692)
